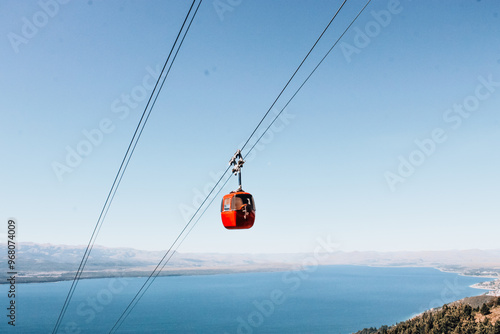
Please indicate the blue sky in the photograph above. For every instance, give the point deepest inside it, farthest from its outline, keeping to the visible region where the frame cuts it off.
(407, 72)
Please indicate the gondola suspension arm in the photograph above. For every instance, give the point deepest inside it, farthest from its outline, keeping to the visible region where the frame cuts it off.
(238, 164)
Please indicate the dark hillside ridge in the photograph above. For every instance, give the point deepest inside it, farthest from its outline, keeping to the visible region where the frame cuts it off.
(472, 315)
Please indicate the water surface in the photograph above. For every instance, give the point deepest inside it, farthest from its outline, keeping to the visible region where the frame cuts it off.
(327, 299)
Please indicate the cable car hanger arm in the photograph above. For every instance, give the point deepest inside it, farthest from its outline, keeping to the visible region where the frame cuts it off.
(238, 164)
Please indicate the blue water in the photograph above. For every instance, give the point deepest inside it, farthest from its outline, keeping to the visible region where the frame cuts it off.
(328, 299)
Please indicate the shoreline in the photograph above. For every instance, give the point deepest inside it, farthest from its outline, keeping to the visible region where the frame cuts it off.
(491, 285)
(69, 276)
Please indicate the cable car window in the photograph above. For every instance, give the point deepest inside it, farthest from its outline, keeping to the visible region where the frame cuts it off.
(240, 200)
(227, 204)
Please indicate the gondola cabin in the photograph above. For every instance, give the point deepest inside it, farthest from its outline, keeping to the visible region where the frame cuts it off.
(238, 210)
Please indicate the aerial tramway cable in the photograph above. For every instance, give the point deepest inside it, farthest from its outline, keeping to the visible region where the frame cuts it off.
(306, 79)
(293, 75)
(177, 242)
(123, 166)
(164, 260)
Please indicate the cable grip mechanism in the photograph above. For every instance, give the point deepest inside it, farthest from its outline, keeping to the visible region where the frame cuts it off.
(237, 161)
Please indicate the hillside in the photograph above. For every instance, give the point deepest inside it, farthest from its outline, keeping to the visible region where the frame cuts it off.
(473, 315)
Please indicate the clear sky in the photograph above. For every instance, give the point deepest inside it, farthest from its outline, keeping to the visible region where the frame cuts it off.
(392, 145)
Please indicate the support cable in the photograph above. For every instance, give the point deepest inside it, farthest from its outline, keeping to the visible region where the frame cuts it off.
(178, 241)
(132, 303)
(166, 258)
(307, 79)
(121, 170)
(293, 75)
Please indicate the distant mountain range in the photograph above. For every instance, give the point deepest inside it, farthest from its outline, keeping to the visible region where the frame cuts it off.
(46, 262)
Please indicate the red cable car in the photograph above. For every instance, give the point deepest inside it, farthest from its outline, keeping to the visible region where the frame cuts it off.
(238, 210)
(238, 207)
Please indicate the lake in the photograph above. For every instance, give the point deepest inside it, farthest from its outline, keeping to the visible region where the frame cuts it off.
(324, 299)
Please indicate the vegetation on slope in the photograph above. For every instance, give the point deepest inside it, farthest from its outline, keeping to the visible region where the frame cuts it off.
(458, 318)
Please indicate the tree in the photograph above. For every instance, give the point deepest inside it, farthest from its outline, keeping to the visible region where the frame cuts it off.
(467, 311)
(485, 310)
(496, 329)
